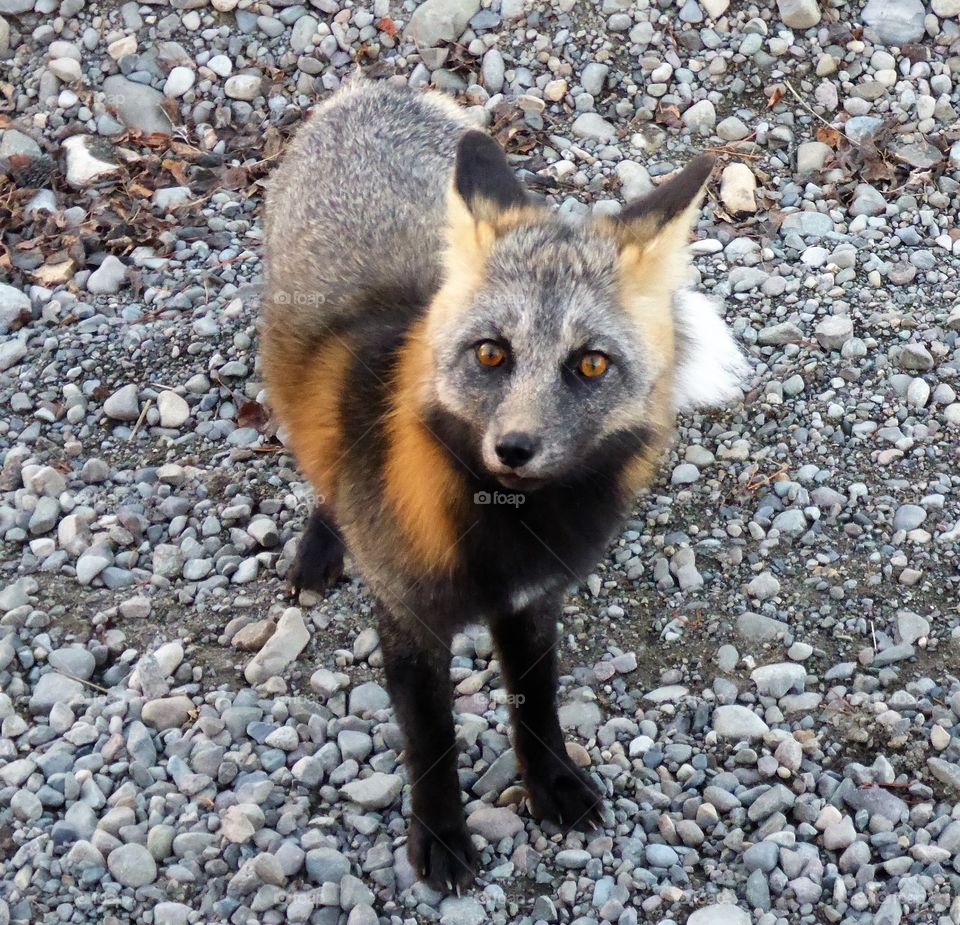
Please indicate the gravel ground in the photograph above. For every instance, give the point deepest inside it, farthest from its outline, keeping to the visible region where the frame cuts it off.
(763, 671)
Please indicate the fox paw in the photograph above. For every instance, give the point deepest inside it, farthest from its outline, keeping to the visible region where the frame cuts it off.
(563, 794)
(442, 856)
(319, 562)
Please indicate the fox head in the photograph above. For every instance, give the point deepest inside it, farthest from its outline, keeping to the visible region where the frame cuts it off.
(555, 346)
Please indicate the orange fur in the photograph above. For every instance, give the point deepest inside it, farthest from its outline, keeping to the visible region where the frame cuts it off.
(305, 385)
(421, 485)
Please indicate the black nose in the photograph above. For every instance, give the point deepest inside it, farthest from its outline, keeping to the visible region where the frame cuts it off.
(517, 449)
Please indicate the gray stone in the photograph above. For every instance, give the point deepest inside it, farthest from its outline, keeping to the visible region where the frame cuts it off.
(894, 22)
(436, 21)
(594, 127)
(378, 791)
(494, 823)
(138, 106)
(732, 721)
(368, 697)
(53, 688)
(124, 404)
(326, 865)
(834, 331)
(756, 627)
(132, 865)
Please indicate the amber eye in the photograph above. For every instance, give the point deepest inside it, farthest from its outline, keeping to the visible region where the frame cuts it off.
(490, 353)
(593, 365)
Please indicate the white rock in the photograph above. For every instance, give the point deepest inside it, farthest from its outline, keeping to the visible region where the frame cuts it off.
(221, 65)
(700, 117)
(378, 791)
(811, 156)
(779, 679)
(593, 126)
(288, 641)
(242, 86)
(66, 69)
(834, 331)
(12, 303)
(84, 163)
(719, 914)
(634, 180)
(738, 188)
(179, 81)
(12, 351)
(108, 277)
(120, 48)
(732, 721)
(799, 14)
(174, 411)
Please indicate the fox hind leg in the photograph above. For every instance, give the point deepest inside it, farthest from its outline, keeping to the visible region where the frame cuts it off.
(319, 562)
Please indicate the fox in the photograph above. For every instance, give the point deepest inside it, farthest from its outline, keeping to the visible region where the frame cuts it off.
(476, 388)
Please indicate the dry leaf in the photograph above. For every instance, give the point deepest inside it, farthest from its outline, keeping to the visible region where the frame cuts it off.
(387, 25)
(252, 414)
(828, 135)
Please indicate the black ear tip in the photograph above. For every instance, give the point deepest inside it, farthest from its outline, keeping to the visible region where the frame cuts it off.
(481, 171)
(702, 166)
(477, 144)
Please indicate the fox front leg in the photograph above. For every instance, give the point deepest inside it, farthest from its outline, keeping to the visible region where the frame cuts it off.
(557, 789)
(319, 562)
(418, 679)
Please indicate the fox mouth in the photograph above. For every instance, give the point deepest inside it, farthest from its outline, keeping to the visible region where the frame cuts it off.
(520, 483)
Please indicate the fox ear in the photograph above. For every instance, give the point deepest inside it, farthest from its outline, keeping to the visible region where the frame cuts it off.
(482, 178)
(486, 200)
(673, 200)
(653, 231)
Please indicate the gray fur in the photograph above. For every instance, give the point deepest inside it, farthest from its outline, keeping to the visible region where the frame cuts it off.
(549, 295)
(359, 201)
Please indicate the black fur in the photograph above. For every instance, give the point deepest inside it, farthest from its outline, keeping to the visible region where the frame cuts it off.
(482, 173)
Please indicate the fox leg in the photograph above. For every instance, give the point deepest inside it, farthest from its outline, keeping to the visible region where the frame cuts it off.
(319, 562)
(557, 789)
(417, 667)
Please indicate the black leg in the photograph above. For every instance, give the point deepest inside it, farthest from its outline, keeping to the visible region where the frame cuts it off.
(558, 790)
(418, 678)
(319, 562)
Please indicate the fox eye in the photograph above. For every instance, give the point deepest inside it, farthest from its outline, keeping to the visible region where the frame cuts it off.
(490, 353)
(593, 365)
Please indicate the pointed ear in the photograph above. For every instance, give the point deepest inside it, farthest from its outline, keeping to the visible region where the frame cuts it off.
(482, 178)
(485, 200)
(653, 231)
(673, 199)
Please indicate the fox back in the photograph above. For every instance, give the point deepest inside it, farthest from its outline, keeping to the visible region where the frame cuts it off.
(474, 386)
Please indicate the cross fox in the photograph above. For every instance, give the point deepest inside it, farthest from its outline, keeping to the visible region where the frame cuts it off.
(476, 389)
